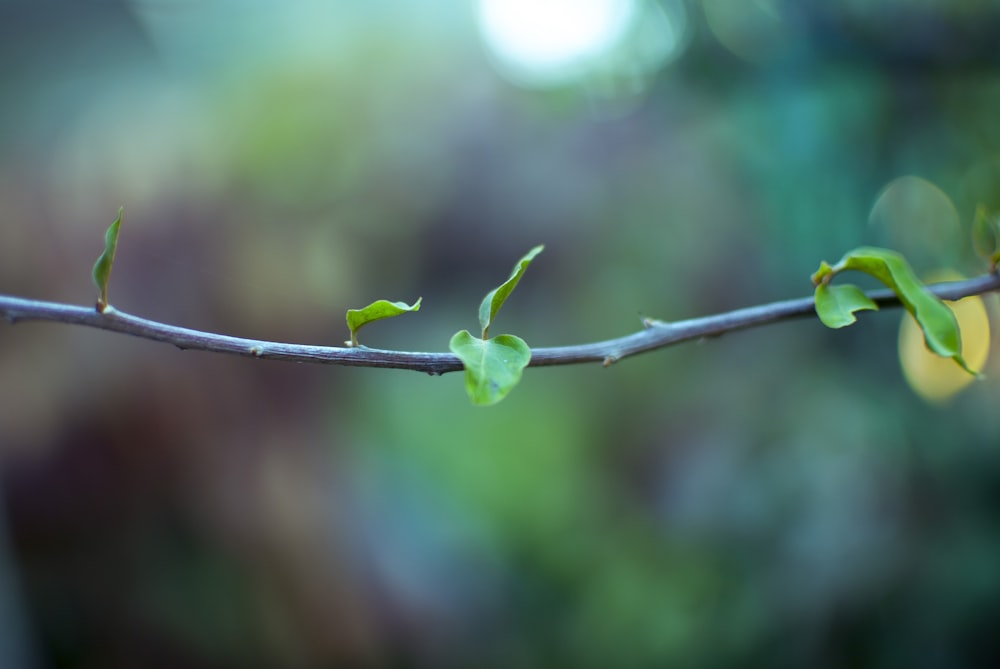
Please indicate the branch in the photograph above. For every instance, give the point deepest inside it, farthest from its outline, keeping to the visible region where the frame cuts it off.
(657, 334)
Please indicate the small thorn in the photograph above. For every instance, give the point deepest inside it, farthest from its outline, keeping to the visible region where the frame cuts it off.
(610, 360)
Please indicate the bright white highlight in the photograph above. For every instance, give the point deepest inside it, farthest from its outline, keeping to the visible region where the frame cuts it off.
(547, 41)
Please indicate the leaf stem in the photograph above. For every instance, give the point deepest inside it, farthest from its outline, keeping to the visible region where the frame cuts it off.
(654, 335)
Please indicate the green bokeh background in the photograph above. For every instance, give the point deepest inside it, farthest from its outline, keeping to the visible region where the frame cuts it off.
(774, 498)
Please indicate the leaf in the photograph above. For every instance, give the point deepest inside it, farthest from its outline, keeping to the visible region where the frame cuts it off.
(102, 268)
(986, 235)
(492, 366)
(358, 318)
(495, 298)
(932, 377)
(835, 305)
(936, 320)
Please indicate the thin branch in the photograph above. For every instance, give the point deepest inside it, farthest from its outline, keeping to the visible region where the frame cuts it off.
(657, 334)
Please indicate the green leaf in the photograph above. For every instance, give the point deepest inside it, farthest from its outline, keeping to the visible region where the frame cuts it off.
(492, 366)
(936, 320)
(835, 305)
(495, 298)
(358, 318)
(986, 235)
(102, 268)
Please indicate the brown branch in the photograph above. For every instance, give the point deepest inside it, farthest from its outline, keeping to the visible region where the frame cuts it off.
(657, 334)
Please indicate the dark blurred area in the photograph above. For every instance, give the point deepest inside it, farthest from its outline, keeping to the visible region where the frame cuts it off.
(779, 497)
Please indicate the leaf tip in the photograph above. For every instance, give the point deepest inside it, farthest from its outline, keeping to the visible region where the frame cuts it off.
(823, 274)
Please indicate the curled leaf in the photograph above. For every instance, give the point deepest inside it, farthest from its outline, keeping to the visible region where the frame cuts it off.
(936, 320)
(102, 268)
(823, 274)
(836, 305)
(492, 366)
(358, 318)
(495, 298)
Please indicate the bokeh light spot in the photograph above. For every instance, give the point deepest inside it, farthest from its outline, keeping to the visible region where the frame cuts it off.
(552, 34)
(920, 220)
(751, 29)
(549, 43)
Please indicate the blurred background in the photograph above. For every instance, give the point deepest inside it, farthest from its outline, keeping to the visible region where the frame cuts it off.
(781, 497)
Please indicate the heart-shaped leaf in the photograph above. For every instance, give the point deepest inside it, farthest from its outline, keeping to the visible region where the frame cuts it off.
(936, 320)
(835, 305)
(495, 298)
(102, 268)
(358, 318)
(492, 366)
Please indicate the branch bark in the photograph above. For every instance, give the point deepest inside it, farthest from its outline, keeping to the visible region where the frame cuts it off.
(656, 334)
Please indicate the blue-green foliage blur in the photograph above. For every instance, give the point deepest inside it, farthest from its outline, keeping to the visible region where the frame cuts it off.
(774, 498)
